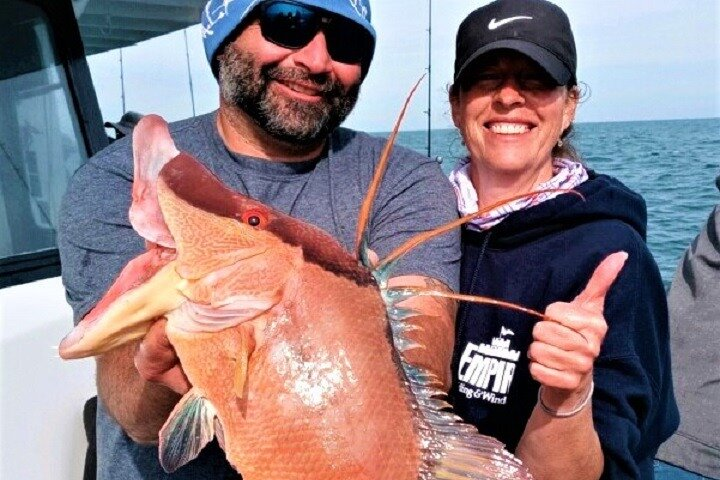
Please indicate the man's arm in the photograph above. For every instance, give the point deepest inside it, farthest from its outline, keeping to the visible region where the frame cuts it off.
(415, 198)
(140, 407)
(437, 326)
(141, 382)
(95, 242)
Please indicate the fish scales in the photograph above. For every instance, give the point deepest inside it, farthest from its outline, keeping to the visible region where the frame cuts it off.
(304, 387)
(296, 353)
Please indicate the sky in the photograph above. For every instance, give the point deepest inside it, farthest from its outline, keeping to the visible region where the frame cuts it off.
(637, 60)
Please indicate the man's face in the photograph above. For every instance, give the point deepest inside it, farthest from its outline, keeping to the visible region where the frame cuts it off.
(295, 95)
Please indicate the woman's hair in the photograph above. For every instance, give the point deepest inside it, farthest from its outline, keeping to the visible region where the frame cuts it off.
(567, 149)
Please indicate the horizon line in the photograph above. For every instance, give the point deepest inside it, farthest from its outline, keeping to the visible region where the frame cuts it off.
(577, 123)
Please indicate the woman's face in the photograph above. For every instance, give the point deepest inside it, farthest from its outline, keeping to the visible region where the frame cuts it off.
(511, 113)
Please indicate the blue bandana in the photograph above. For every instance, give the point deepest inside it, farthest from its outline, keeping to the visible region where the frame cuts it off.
(220, 17)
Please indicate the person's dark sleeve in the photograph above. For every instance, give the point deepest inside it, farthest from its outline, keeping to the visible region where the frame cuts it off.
(634, 408)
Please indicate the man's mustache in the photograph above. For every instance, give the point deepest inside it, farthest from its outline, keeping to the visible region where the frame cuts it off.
(322, 82)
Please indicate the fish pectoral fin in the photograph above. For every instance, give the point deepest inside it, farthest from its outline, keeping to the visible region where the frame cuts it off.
(190, 427)
(219, 433)
(246, 346)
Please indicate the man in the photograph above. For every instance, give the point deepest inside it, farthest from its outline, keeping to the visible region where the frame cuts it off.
(289, 73)
(693, 453)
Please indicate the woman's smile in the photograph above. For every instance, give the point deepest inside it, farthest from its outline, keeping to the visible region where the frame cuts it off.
(508, 128)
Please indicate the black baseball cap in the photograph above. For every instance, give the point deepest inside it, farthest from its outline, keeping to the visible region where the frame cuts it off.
(126, 124)
(536, 28)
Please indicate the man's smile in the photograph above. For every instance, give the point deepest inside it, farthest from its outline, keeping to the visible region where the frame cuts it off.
(300, 90)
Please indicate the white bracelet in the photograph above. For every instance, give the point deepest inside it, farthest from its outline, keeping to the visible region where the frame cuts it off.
(558, 414)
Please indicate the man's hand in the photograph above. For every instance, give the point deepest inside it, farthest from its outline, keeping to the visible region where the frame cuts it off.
(127, 384)
(156, 360)
(565, 348)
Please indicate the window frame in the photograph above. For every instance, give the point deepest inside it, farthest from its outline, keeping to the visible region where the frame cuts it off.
(29, 267)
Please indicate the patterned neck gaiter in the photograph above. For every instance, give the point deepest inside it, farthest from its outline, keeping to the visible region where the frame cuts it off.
(567, 174)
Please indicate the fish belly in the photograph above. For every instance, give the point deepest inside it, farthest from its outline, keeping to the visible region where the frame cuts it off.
(324, 396)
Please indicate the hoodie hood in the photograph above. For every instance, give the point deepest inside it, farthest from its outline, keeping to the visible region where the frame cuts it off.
(604, 198)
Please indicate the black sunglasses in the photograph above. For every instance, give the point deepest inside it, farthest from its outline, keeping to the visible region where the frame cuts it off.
(293, 25)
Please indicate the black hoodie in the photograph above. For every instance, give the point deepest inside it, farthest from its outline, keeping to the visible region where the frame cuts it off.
(546, 254)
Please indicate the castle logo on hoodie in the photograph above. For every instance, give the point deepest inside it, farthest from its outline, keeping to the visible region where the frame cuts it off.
(486, 371)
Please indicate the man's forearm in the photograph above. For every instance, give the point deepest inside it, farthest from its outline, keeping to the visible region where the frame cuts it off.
(437, 326)
(561, 448)
(139, 406)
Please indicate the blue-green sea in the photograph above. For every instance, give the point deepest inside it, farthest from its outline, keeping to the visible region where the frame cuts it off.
(672, 164)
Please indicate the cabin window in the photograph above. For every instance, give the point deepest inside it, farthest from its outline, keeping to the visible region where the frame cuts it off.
(41, 144)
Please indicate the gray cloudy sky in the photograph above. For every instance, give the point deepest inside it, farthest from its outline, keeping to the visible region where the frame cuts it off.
(641, 59)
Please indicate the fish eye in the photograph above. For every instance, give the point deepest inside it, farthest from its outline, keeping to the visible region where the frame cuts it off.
(254, 218)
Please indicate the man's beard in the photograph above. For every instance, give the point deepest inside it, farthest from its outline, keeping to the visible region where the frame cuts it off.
(244, 84)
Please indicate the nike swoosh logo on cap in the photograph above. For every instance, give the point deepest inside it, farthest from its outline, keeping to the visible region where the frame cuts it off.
(499, 23)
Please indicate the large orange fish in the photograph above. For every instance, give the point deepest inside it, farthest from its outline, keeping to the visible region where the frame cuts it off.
(296, 352)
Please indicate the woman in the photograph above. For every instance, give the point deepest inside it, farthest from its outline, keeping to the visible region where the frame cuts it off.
(582, 395)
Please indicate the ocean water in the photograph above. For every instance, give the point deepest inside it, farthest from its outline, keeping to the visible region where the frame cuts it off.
(672, 164)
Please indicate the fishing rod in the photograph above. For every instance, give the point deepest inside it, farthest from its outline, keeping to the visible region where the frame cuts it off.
(429, 74)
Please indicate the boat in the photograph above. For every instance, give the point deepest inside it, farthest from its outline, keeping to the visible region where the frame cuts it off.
(50, 122)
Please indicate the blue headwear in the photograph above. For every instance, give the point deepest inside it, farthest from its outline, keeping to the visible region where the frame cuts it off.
(221, 17)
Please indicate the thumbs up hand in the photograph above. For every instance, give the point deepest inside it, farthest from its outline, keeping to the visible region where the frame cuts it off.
(566, 345)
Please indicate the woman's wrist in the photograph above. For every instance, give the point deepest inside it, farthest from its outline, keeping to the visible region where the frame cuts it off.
(563, 412)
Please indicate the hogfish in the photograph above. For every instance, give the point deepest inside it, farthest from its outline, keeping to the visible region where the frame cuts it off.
(295, 350)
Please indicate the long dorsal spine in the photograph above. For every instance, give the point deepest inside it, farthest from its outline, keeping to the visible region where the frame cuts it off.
(366, 206)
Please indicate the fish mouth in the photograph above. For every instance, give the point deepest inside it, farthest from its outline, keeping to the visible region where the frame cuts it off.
(126, 314)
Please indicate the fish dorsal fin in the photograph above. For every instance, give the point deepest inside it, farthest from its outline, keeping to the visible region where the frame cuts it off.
(452, 450)
(219, 433)
(190, 427)
(398, 294)
(153, 147)
(366, 207)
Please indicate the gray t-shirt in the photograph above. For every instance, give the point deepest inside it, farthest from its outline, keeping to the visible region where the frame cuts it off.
(96, 239)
